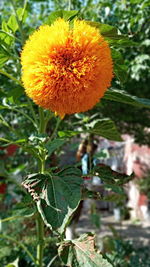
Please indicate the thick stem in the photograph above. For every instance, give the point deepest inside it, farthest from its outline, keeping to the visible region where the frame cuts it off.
(39, 221)
(40, 231)
(40, 239)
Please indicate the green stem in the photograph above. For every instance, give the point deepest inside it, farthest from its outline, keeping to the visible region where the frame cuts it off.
(69, 5)
(42, 126)
(40, 239)
(10, 77)
(52, 260)
(10, 218)
(5, 140)
(39, 221)
(21, 112)
(9, 34)
(24, 8)
(32, 110)
(19, 23)
(21, 245)
(56, 128)
(49, 116)
(11, 141)
(28, 100)
(25, 115)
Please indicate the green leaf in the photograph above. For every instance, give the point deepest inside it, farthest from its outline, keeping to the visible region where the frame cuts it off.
(22, 14)
(111, 34)
(3, 57)
(13, 264)
(66, 15)
(67, 133)
(15, 94)
(123, 97)
(95, 219)
(114, 197)
(51, 146)
(12, 23)
(70, 170)
(6, 39)
(110, 176)
(70, 15)
(120, 69)
(3, 171)
(3, 122)
(105, 29)
(57, 195)
(115, 188)
(5, 26)
(121, 41)
(23, 212)
(81, 253)
(105, 128)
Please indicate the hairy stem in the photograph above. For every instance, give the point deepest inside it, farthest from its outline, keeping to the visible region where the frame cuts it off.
(39, 221)
(40, 239)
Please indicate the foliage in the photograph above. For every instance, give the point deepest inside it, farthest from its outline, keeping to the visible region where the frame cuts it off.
(122, 253)
(55, 191)
(80, 252)
(57, 195)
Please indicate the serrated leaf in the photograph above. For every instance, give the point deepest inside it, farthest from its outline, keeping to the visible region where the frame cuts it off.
(106, 128)
(81, 253)
(51, 146)
(123, 97)
(66, 15)
(57, 195)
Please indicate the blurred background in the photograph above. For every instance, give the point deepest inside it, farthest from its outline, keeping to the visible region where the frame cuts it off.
(121, 219)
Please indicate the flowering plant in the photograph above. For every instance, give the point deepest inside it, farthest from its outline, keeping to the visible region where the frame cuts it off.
(67, 67)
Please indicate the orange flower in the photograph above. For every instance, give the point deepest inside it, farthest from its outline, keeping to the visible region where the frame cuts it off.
(66, 69)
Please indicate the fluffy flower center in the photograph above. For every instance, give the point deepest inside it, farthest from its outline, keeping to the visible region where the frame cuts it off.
(66, 70)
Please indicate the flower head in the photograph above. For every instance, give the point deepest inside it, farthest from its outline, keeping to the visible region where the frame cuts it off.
(66, 69)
